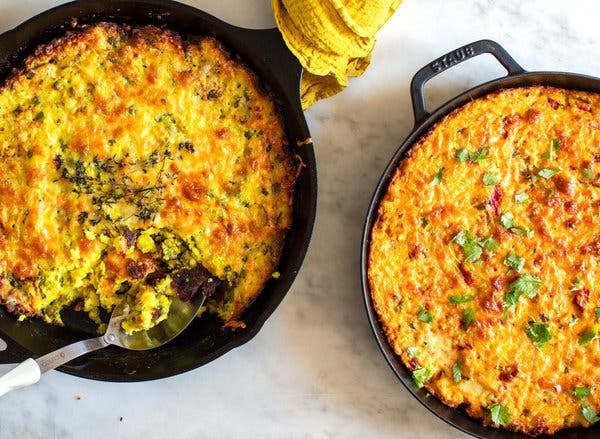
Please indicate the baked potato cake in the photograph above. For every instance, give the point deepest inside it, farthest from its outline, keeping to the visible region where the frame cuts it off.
(133, 157)
(483, 260)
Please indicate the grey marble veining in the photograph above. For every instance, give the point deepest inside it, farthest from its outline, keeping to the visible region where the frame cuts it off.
(314, 370)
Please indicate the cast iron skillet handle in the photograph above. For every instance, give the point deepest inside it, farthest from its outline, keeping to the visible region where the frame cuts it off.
(451, 59)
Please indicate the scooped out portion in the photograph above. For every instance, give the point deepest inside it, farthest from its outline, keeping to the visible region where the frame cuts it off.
(134, 162)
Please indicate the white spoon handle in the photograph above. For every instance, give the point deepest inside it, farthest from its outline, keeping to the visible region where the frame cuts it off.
(25, 374)
(30, 370)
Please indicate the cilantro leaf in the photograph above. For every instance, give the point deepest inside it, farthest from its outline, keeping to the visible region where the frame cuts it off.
(511, 299)
(438, 177)
(413, 352)
(590, 335)
(589, 414)
(488, 242)
(424, 315)
(420, 375)
(506, 220)
(473, 247)
(500, 414)
(597, 311)
(478, 156)
(527, 284)
(581, 392)
(556, 144)
(588, 174)
(468, 317)
(548, 173)
(457, 371)
(539, 334)
(490, 179)
(455, 300)
(462, 155)
(521, 198)
(513, 261)
(460, 238)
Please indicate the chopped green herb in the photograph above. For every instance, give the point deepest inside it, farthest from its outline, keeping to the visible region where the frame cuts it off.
(420, 375)
(461, 238)
(573, 321)
(468, 317)
(455, 300)
(577, 284)
(539, 334)
(588, 174)
(511, 299)
(413, 352)
(490, 179)
(554, 146)
(597, 311)
(487, 242)
(462, 155)
(500, 414)
(548, 173)
(522, 232)
(527, 284)
(473, 247)
(506, 220)
(590, 335)
(521, 198)
(581, 392)
(534, 178)
(589, 414)
(457, 371)
(437, 179)
(469, 245)
(513, 261)
(478, 156)
(424, 315)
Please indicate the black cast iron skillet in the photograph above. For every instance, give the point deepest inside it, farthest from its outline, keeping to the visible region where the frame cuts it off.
(204, 340)
(424, 121)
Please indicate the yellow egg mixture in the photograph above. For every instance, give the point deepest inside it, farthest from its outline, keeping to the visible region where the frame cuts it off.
(483, 262)
(131, 157)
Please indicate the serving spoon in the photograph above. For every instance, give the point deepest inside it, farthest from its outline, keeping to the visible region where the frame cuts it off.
(181, 314)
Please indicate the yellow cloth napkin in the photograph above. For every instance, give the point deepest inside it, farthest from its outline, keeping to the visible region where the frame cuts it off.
(333, 39)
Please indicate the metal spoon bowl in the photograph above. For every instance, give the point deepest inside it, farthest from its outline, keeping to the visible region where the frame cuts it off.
(181, 314)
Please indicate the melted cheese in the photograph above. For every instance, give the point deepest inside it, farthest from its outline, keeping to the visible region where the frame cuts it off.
(541, 148)
(128, 151)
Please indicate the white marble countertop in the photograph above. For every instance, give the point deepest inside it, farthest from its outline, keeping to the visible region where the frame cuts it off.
(314, 370)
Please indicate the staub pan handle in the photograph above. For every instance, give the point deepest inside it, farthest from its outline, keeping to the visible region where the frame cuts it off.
(451, 59)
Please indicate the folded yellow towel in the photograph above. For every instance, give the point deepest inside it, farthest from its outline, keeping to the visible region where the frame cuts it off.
(332, 39)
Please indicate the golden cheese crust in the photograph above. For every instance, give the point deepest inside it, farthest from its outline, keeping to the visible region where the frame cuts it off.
(128, 152)
(483, 262)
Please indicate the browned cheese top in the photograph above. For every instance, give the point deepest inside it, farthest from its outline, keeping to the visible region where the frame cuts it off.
(127, 152)
(483, 263)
